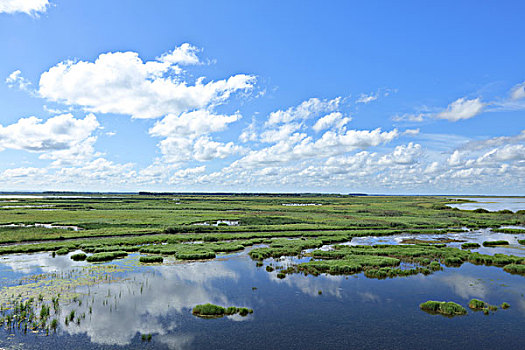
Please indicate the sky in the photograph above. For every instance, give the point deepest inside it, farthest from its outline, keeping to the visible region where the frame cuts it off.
(380, 97)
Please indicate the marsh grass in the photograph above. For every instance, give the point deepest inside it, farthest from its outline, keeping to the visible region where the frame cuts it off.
(151, 259)
(107, 256)
(470, 245)
(216, 311)
(443, 308)
(495, 243)
(78, 257)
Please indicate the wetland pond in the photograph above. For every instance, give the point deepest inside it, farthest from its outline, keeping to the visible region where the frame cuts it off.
(491, 203)
(124, 304)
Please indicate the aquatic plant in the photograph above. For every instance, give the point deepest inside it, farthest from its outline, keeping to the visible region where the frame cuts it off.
(151, 259)
(505, 305)
(476, 304)
(107, 256)
(495, 243)
(444, 308)
(214, 311)
(470, 245)
(78, 256)
(62, 251)
(515, 268)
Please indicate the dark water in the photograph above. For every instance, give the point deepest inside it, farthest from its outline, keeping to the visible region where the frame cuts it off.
(351, 312)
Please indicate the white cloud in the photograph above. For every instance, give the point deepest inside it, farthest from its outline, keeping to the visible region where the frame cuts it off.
(462, 109)
(410, 117)
(518, 92)
(120, 82)
(364, 98)
(30, 7)
(206, 149)
(16, 80)
(55, 134)
(186, 136)
(22, 172)
(334, 119)
(192, 124)
(249, 133)
(305, 110)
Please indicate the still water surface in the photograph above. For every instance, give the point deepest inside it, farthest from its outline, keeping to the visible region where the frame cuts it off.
(492, 203)
(298, 312)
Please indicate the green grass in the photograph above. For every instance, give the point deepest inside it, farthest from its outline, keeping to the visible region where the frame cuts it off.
(215, 311)
(477, 304)
(470, 245)
(495, 243)
(444, 308)
(107, 256)
(515, 268)
(151, 259)
(79, 256)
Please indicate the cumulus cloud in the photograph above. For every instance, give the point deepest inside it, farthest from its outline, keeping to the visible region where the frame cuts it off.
(186, 136)
(55, 134)
(30, 7)
(334, 119)
(305, 110)
(16, 80)
(122, 83)
(462, 109)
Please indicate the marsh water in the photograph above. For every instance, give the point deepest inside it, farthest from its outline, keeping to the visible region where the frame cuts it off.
(491, 203)
(128, 305)
(298, 312)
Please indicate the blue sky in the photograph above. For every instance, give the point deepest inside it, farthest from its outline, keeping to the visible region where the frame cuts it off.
(413, 97)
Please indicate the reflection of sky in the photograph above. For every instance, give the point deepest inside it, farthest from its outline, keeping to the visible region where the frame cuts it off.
(40, 262)
(144, 302)
(492, 204)
(477, 236)
(465, 286)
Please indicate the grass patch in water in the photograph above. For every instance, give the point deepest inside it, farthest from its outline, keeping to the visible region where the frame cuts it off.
(515, 268)
(477, 304)
(495, 243)
(107, 256)
(470, 245)
(443, 308)
(215, 311)
(78, 257)
(151, 259)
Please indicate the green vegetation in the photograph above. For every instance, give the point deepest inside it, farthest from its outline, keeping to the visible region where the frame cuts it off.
(215, 311)
(79, 256)
(444, 308)
(151, 259)
(494, 243)
(476, 304)
(470, 245)
(108, 256)
(515, 268)
(62, 251)
(480, 305)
